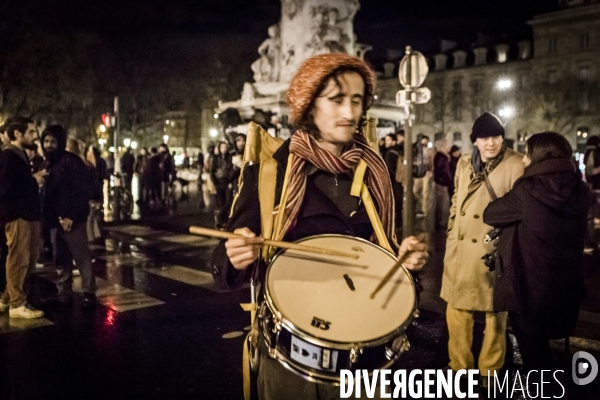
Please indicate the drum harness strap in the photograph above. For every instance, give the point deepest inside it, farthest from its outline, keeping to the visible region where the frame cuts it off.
(266, 189)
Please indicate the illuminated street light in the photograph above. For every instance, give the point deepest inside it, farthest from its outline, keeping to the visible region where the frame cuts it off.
(126, 142)
(216, 116)
(506, 112)
(102, 128)
(134, 145)
(165, 139)
(213, 132)
(504, 84)
(167, 122)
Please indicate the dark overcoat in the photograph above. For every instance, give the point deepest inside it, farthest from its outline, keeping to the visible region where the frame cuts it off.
(318, 215)
(540, 275)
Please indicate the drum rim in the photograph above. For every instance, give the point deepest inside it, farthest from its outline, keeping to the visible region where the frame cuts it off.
(309, 337)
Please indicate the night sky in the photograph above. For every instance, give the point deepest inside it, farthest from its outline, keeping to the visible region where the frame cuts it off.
(381, 23)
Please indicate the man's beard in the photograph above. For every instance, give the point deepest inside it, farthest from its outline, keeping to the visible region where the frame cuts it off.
(30, 146)
(51, 154)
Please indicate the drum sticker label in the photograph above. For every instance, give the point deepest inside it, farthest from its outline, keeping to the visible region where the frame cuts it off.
(313, 356)
(320, 323)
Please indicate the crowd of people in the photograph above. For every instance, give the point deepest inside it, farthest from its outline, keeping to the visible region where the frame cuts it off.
(504, 213)
(434, 169)
(48, 196)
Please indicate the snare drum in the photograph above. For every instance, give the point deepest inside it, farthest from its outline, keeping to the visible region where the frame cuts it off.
(318, 317)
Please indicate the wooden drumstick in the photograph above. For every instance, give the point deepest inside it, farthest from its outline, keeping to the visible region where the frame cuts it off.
(393, 270)
(197, 230)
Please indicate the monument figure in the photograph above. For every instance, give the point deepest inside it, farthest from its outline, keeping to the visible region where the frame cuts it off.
(266, 68)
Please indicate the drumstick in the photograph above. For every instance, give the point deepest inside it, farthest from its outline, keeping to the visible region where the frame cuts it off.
(393, 270)
(197, 230)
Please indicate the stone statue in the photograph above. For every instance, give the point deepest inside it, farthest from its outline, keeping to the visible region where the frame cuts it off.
(291, 7)
(328, 36)
(266, 68)
(248, 93)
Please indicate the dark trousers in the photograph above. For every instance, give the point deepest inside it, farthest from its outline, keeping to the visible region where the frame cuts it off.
(224, 201)
(398, 190)
(535, 350)
(3, 253)
(68, 247)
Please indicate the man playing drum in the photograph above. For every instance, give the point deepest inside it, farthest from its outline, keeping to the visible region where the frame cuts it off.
(328, 101)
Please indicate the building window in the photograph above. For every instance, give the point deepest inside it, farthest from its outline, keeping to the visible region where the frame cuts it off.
(438, 136)
(477, 111)
(523, 81)
(457, 100)
(584, 72)
(552, 45)
(552, 75)
(477, 87)
(457, 137)
(584, 101)
(584, 41)
(457, 112)
(438, 114)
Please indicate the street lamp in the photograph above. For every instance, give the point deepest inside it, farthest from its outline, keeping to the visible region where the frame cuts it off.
(213, 133)
(102, 128)
(126, 142)
(216, 116)
(504, 84)
(165, 139)
(506, 112)
(134, 145)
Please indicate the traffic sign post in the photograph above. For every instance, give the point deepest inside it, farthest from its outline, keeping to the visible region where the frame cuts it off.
(412, 73)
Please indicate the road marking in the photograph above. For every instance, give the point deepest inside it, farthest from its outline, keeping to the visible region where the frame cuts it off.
(111, 295)
(185, 275)
(8, 324)
(580, 343)
(117, 297)
(123, 259)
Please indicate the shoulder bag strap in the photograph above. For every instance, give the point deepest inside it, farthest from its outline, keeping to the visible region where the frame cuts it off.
(489, 185)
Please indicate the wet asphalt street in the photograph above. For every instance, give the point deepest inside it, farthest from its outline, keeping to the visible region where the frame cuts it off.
(162, 330)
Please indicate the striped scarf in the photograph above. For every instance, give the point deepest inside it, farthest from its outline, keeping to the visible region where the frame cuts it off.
(304, 148)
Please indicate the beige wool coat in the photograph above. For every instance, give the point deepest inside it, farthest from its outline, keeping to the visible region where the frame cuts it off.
(467, 282)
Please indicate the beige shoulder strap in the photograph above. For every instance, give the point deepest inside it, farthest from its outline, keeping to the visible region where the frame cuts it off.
(360, 189)
(276, 227)
(267, 180)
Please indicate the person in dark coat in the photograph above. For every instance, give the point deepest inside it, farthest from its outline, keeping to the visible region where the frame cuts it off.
(454, 157)
(394, 154)
(127, 167)
(152, 177)
(444, 182)
(539, 276)
(222, 174)
(65, 209)
(591, 160)
(141, 163)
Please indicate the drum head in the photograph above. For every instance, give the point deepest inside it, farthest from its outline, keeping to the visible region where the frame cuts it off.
(328, 297)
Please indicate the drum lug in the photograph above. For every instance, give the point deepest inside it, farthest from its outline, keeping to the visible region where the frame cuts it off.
(276, 326)
(399, 345)
(354, 352)
(416, 314)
